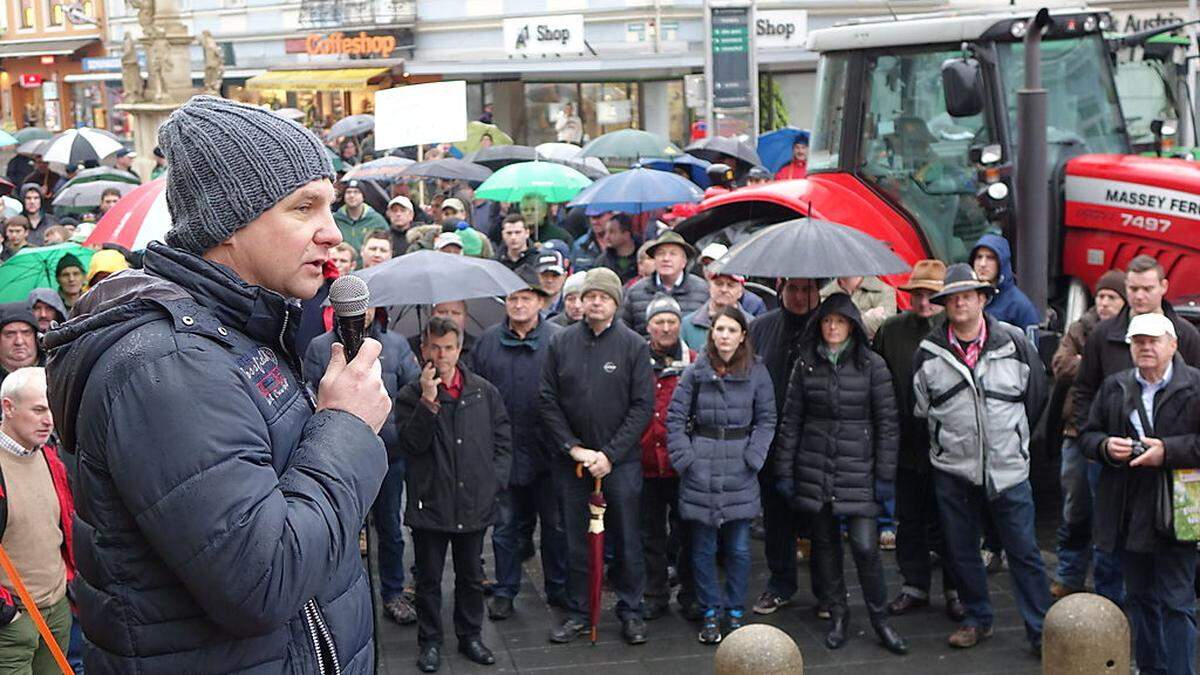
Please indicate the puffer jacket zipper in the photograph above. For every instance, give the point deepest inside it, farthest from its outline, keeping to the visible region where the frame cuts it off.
(318, 631)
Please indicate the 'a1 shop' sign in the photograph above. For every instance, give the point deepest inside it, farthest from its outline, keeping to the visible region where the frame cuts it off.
(29, 80)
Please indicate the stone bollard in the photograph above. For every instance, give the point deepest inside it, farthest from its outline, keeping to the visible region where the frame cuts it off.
(1085, 634)
(759, 649)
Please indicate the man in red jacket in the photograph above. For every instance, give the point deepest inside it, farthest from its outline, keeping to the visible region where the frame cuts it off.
(35, 525)
(660, 486)
(798, 167)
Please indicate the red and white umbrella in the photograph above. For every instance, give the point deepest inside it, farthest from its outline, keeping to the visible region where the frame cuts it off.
(138, 219)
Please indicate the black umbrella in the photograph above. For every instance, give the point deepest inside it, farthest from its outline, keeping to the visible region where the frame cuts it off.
(500, 156)
(354, 125)
(449, 169)
(482, 314)
(717, 148)
(430, 277)
(810, 249)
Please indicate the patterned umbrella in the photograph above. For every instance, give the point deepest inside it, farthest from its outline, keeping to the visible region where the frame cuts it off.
(138, 219)
(75, 146)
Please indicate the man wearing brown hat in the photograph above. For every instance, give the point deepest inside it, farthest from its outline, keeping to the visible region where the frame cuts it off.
(1077, 475)
(671, 254)
(917, 531)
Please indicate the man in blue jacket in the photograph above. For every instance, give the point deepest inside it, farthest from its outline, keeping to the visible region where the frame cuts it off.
(399, 367)
(992, 261)
(510, 355)
(219, 505)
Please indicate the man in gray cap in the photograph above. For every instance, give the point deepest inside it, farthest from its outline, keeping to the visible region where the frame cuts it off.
(597, 396)
(219, 529)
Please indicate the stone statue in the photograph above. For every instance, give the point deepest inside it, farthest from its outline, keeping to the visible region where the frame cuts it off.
(214, 64)
(131, 71)
(158, 63)
(145, 10)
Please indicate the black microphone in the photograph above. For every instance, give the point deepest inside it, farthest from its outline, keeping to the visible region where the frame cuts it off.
(350, 298)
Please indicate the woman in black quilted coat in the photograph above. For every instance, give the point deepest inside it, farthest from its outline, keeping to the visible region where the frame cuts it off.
(836, 457)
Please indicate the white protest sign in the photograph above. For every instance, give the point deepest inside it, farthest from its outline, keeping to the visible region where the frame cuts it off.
(421, 113)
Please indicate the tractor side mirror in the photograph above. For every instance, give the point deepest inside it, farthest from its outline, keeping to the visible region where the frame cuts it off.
(962, 87)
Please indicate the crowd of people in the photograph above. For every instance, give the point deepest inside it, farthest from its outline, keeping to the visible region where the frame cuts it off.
(190, 473)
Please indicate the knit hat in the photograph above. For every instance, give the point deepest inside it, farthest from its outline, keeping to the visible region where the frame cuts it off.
(604, 280)
(68, 260)
(663, 303)
(574, 284)
(1112, 280)
(230, 163)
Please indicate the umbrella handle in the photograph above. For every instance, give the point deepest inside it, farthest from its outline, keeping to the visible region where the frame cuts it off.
(579, 474)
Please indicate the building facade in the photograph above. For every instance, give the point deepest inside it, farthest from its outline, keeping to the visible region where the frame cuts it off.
(42, 43)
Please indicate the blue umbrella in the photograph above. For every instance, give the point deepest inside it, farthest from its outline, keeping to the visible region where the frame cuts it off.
(697, 168)
(637, 191)
(775, 148)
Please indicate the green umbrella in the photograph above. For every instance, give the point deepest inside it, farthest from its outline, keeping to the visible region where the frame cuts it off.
(31, 134)
(102, 173)
(554, 182)
(32, 268)
(475, 132)
(630, 144)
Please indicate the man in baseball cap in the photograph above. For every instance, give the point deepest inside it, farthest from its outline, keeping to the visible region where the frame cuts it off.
(1141, 429)
(400, 219)
(551, 268)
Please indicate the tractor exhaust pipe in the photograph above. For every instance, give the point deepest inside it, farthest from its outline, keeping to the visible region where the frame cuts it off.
(1033, 190)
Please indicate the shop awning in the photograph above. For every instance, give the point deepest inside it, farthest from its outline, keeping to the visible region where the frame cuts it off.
(12, 49)
(315, 80)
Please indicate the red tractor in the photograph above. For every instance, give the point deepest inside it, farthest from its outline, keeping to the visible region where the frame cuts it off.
(918, 140)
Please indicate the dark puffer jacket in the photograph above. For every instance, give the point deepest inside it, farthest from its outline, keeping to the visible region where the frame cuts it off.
(719, 477)
(217, 516)
(839, 432)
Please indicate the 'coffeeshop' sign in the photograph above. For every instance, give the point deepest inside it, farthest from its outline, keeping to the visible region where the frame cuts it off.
(360, 45)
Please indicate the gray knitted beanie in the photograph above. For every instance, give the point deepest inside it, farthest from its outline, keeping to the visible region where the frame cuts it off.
(227, 164)
(663, 303)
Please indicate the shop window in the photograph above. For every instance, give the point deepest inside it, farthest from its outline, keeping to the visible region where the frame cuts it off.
(57, 14)
(542, 103)
(89, 9)
(609, 106)
(27, 14)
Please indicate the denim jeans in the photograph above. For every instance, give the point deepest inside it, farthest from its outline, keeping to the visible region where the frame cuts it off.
(387, 512)
(519, 505)
(1075, 531)
(1107, 571)
(1162, 608)
(962, 508)
(734, 545)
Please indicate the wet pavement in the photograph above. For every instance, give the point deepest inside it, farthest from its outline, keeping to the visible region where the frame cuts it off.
(520, 642)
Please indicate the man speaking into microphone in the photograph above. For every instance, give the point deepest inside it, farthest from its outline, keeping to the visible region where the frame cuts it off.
(218, 503)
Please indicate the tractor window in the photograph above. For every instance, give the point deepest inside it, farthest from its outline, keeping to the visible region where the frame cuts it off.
(919, 155)
(1082, 108)
(825, 145)
(1145, 96)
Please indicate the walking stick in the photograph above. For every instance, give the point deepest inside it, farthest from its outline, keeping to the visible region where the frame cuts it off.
(33, 612)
